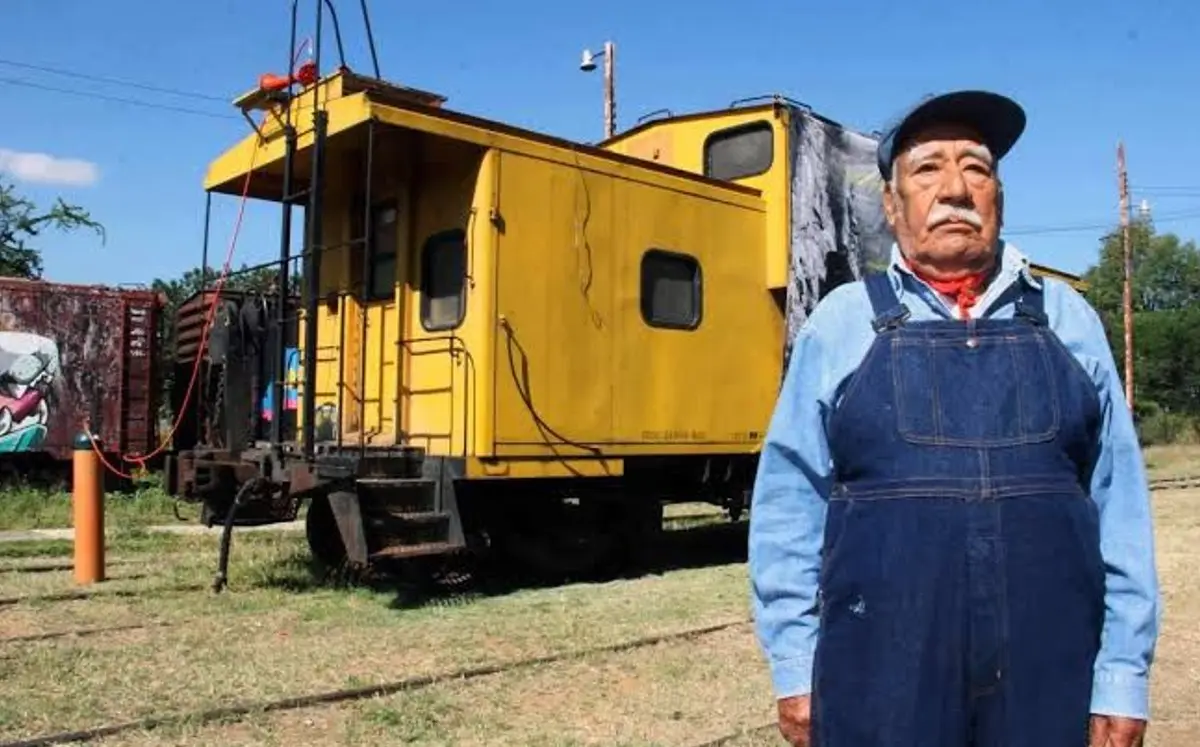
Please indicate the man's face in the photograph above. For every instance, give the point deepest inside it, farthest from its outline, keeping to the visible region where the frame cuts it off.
(945, 206)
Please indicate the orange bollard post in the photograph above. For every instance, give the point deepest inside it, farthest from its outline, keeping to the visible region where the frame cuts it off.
(87, 498)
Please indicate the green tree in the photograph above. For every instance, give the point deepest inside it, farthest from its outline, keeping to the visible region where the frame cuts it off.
(1166, 272)
(1166, 316)
(1167, 358)
(21, 221)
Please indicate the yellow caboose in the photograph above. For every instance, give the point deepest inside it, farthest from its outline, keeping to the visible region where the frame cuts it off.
(518, 343)
(811, 171)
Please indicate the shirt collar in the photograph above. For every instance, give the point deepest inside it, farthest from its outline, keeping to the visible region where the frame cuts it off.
(1014, 266)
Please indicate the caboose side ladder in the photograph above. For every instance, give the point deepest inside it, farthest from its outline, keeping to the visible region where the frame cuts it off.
(391, 502)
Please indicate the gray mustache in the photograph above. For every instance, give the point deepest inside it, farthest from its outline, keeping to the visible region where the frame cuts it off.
(942, 213)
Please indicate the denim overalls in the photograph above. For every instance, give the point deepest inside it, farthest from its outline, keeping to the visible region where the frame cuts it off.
(962, 586)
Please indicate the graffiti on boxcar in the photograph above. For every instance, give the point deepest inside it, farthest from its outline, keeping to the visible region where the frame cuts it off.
(29, 367)
(290, 390)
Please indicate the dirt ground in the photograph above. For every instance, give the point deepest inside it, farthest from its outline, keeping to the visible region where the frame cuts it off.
(282, 631)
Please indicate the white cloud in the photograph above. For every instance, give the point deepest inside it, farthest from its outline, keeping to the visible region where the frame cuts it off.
(42, 168)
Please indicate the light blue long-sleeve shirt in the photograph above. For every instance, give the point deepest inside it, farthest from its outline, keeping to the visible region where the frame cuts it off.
(795, 470)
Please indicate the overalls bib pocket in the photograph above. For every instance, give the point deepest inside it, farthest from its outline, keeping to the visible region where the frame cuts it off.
(1015, 403)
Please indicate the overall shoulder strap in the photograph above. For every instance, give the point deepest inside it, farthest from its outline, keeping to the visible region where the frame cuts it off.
(1030, 304)
(889, 312)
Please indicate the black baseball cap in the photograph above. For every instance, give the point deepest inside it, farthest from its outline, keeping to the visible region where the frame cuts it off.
(998, 119)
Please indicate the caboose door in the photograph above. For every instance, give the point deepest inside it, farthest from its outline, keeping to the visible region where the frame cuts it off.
(372, 324)
(435, 370)
(435, 377)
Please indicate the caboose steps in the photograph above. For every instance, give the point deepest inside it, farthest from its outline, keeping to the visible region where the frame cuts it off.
(347, 462)
(403, 552)
(402, 512)
(386, 504)
(399, 493)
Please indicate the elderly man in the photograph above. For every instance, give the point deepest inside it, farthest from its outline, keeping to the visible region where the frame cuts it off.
(950, 533)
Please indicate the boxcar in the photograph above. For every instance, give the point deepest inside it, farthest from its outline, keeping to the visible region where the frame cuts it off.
(75, 356)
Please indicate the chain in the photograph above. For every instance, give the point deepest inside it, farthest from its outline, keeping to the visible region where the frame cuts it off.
(215, 418)
(248, 435)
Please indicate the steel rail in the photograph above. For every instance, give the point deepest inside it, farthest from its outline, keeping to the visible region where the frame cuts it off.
(71, 596)
(81, 632)
(741, 733)
(239, 711)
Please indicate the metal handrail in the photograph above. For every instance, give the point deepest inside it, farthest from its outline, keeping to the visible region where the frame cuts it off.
(455, 347)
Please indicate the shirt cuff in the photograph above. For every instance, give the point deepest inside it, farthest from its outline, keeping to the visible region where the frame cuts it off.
(790, 677)
(1121, 695)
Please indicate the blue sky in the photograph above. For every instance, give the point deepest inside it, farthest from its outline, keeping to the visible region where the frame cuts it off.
(1088, 74)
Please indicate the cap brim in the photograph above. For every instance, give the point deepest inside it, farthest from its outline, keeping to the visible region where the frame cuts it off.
(999, 120)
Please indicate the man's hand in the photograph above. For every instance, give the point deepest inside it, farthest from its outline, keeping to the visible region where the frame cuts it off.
(1116, 731)
(795, 715)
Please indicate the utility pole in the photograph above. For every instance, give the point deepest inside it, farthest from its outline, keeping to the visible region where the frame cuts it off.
(1123, 185)
(610, 100)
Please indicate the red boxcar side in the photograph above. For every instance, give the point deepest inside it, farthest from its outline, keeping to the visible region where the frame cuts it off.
(71, 355)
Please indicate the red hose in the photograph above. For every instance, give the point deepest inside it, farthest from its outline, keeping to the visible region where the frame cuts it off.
(140, 460)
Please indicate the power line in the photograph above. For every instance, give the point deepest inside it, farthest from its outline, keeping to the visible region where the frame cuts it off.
(1163, 195)
(1166, 188)
(1099, 225)
(115, 81)
(1056, 229)
(117, 99)
(1162, 190)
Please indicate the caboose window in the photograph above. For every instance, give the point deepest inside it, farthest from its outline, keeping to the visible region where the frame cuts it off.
(671, 290)
(443, 275)
(382, 281)
(739, 152)
(381, 264)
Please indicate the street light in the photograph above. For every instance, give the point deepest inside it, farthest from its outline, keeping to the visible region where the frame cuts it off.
(588, 64)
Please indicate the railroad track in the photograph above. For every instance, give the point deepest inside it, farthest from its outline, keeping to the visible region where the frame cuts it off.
(1176, 483)
(240, 711)
(81, 632)
(38, 568)
(743, 732)
(71, 596)
(59, 565)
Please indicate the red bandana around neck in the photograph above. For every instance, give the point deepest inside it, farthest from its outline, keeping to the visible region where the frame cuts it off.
(964, 290)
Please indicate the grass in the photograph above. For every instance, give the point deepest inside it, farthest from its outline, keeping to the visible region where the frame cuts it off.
(1172, 461)
(282, 629)
(25, 507)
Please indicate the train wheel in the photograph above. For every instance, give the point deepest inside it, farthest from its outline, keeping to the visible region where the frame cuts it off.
(561, 538)
(641, 533)
(577, 553)
(437, 574)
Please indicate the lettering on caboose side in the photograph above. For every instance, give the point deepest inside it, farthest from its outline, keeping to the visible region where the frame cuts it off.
(680, 434)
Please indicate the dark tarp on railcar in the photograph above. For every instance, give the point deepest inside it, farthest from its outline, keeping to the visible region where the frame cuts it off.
(838, 229)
